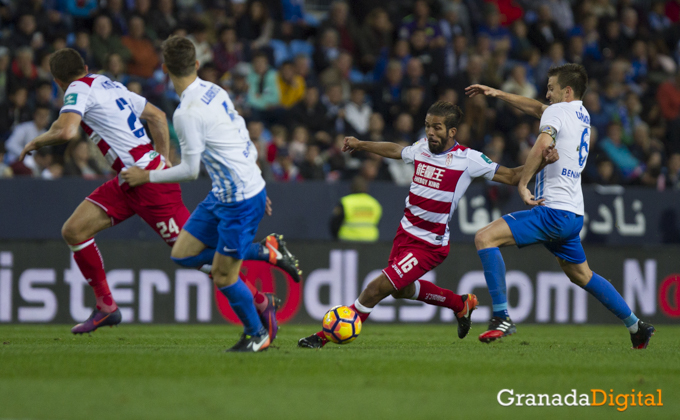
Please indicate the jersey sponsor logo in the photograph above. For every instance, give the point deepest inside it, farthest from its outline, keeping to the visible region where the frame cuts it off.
(426, 154)
(571, 174)
(449, 158)
(429, 175)
(71, 99)
(152, 155)
(486, 159)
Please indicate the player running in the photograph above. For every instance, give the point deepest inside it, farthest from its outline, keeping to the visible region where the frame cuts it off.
(210, 129)
(443, 171)
(110, 114)
(557, 218)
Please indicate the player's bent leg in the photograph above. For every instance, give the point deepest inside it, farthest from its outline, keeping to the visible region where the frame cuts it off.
(495, 234)
(581, 275)
(189, 251)
(225, 274)
(87, 220)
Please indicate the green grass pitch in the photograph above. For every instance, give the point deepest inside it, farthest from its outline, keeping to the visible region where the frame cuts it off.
(390, 372)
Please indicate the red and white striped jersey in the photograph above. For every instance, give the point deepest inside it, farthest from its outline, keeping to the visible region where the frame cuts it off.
(110, 115)
(439, 181)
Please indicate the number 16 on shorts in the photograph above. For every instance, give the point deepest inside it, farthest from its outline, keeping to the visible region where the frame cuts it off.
(407, 263)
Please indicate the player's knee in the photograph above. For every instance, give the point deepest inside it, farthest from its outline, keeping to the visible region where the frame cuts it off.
(71, 234)
(581, 279)
(481, 239)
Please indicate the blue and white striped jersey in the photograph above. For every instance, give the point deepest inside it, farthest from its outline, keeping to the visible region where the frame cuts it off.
(207, 124)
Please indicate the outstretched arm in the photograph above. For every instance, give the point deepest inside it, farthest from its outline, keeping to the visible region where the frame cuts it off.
(62, 130)
(382, 148)
(512, 176)
(527, 105)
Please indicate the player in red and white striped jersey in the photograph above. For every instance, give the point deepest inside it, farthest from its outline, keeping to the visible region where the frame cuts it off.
(443, 171)
(110, 115)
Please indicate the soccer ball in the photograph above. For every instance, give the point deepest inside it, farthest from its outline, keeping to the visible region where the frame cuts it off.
(341, 325)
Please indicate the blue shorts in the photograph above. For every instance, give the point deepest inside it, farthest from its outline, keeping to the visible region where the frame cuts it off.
(557, 230)
(228, 227)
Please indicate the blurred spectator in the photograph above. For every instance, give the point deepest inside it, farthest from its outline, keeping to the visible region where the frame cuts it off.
(374, 39)
(658, 21)
(420, 19)
(499, 35)
(606, 172)
(456, 58)
(83, 46)
(298, 144)
(279, 142)
(5, 170)
(283, 168)
(340, 72)
(453, 23)
(312, 167)
(25, 132)
(629, 115)
(78, 161)
(340, 20)
(624, 161)
(545, 32)
(114, 10)
(115, 69)
(23, 71)
(142, 8)
(81, 11)
(554, 58)
(163, 20)
(104, 42)
(415, 105)
(376, 128)
(472, 75)
(14, 111)
(671, 180)
(520, 46)
(598, 118)
(291, 85)
(263, 89)
(311, 112)
(238, 91)
(229, 51)
(403, 129)
(561, 11)
(613, 43)
(26, 34)
(303, 68)
(144, 57)
(387, 95)
(208, 72)
(257, 26)
(517, 83)
(4, 73)
(358, 112)
(327, 50)
(335, 107)
(199, 37)
(44, 98)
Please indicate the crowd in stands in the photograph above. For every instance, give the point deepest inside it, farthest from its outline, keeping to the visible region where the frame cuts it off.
(306, 74)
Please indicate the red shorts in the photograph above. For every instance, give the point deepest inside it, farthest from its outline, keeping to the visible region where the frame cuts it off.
(411, 258)
(159, 205)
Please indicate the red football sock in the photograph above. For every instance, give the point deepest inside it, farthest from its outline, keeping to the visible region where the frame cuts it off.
(435, 295)
(259, 298)
(89, 260)
(362, 315)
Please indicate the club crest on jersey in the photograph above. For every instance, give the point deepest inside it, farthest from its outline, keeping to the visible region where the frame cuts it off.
(71, 99)
(449, 159)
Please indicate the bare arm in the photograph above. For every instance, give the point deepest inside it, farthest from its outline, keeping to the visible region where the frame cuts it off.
(532, 165)
(382, 148)
(158, 126)
(527, 105)
(62, 130)
(512, 176)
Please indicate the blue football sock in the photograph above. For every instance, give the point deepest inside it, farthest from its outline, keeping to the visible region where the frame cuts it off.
(241, 301)
(603, 291)
(494, 273)
(256, 252)
(197, 261)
